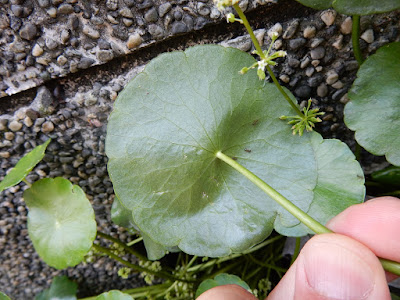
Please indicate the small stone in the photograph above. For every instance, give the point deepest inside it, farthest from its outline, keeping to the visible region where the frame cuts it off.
(126, 12)
(317, 53)
(5, 154)
(338, 94)
(322, 90)
(47, 127)
(65, 9)
(310, 71)
(9, 136)
(28, 122)
(112, 4)
(14, 126)
(105, 55)
(151, 15)
(90, 32)
(318, 69)
(164, 8)
(215, 13)
(43, 102)
(284, 78)
(85, 62)
(156, 31)
(52, 12)
(295, 44)
(62, 60)
(291, 29)
(64, 36)
(338, 85)
(43, 3)
(331, 77)
(346, 26)
(328, 17)
(303, 92)
(28, 32)
(276, 28)
(112, 20)
(134, 41)
(316, 42)
(293, 62)
(178, 27)
(309, 32)
(338, 44)
(127, 22)
(203, 9)
(305, 62)
(37, 50)
(51, 44)
(368, 36)
(315, 62)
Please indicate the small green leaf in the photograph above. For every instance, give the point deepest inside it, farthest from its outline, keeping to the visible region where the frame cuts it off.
(61, 289)
(114, 295)
(374, 111)
(354, 7)
(163, 135)
(24, 166)
(389, 175)
(4, 296)
(221, 279)
(61, 221)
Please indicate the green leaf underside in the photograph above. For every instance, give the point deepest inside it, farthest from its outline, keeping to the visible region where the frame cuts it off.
(114, 295)
(221, 279)
(167, 126)
(61, 221)
(4, 296)
(61, 289)
(354, 7)
(24, 166)
(374, 110)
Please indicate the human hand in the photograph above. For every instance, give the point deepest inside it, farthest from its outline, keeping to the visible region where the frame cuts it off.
(340, 265)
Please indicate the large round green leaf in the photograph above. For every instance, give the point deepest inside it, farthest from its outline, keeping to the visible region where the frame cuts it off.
(354, 7)
(163, 135)
(4, 296)
(61, 221)
(374, 110)
(24, 166)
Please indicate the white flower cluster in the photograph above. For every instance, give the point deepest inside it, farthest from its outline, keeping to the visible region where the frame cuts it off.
(221, 4)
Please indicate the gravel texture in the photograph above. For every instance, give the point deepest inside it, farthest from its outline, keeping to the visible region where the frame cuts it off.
(57, 39)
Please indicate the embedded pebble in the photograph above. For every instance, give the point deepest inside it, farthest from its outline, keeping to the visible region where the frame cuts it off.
(14, 126)
(338, 44)
(37, 50)
(331, 77)
(28, 32)
(291, 29)
(368, 36)
(322, 90)
(328, 17)
(47, 127)
(134, 41)
(309, 32)
(276, 28)
(90, 32)
(346, 26)
(318, 53)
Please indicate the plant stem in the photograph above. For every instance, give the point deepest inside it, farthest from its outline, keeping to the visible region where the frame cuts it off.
(27, 182)
(296, 250)
(284, 94)
(160, 274)
(388, 265)
(208, 264)
(285, 203)
(249, 30)
(246, 24)
(355, 39)
(122, 244)
(139, 239)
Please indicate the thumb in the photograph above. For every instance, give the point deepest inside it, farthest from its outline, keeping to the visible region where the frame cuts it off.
(333, 266)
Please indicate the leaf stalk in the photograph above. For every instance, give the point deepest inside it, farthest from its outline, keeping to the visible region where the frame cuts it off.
(355, 39)
(307, 220)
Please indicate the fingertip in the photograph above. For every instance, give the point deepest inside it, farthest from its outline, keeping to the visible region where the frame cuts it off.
(227, 292)
(333, 266)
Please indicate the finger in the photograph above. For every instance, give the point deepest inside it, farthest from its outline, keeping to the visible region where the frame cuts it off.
(375, 223)
(333, 266)
(227, 292)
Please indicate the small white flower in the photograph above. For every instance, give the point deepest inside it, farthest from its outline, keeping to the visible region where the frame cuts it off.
(221, 4)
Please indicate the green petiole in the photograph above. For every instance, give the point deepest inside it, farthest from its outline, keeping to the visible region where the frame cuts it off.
(314, 225)
(355, 39)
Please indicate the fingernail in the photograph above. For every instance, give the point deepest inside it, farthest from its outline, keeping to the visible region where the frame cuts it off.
(344, 276)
